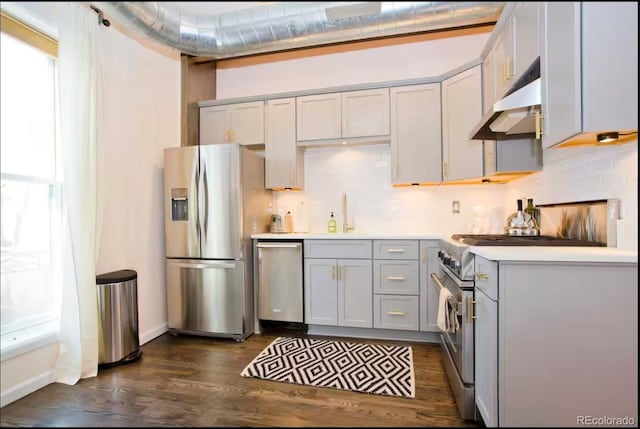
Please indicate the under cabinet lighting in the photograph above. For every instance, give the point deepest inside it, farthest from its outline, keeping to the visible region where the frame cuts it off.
(608, 137)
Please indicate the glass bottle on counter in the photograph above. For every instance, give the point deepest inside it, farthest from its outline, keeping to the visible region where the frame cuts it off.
(533, 211)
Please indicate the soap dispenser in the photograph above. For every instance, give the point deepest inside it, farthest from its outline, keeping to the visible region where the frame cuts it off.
(332, 225)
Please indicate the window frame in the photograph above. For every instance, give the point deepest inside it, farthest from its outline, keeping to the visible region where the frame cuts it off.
(41, 329)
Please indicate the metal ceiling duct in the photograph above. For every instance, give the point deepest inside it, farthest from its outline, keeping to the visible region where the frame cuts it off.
(277, 27)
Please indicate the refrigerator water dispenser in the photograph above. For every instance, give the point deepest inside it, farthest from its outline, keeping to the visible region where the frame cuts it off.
(179, 204)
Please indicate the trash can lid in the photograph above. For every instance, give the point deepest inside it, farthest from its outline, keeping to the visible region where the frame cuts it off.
(116, 277)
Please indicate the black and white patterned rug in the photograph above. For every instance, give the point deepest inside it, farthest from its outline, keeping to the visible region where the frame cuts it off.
(369, 368)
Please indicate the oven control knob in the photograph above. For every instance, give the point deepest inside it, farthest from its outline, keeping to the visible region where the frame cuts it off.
(446, 260)
(455, 265)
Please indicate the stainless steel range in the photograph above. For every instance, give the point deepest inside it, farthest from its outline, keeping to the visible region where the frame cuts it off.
(575, 224)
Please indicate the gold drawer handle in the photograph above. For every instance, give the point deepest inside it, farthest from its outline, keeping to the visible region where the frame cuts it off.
(481, 276)
(395, 313)
(395, 278)
(395, 250)
(333, 272)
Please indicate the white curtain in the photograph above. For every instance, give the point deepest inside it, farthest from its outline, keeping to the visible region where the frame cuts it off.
(80, 83)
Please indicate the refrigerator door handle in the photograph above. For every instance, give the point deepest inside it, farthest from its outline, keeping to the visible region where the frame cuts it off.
(206, 199)
(225, 265)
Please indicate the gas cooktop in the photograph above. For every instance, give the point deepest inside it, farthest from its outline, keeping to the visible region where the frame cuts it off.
(521, 240)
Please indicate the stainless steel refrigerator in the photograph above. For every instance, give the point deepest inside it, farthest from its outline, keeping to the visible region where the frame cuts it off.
(215, 199)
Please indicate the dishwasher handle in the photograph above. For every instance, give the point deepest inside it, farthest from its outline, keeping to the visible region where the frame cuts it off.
(278, 245)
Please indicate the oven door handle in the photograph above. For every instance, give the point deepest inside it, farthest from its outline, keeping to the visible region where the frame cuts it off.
(448, 340)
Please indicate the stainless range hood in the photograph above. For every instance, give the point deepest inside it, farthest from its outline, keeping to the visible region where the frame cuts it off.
(513, 117)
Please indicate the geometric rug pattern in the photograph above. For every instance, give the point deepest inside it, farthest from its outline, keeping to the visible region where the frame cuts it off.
(368, 368)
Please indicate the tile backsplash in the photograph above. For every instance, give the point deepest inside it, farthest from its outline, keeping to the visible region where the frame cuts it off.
(374, 206)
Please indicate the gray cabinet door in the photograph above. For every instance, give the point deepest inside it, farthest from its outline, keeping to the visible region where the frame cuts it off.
(428, 291)
(319, 117)
(246, 123)
(365, 113)
(461, 111)
(527, 36)
(416, 136)
(486, 358)
(320, 292)
(214, 125)
(561, 73)
(355, 293)
(282, 155)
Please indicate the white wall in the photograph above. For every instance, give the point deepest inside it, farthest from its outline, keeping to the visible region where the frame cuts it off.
(397, 62)
(584, 174)
(141, 117)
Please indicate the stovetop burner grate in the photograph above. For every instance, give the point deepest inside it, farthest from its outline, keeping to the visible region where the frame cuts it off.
(511, 240)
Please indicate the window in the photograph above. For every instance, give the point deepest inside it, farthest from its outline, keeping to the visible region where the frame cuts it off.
(30, 191)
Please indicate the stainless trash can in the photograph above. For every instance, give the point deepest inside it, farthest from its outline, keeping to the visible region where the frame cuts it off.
(118, 317)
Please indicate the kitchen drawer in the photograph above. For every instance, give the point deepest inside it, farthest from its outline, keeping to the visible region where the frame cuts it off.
(395, 312)
(396, 249)
(396, 277)
(486, 276)
(337, 249)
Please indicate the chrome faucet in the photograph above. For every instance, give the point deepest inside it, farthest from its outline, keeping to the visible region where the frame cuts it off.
(345, 220)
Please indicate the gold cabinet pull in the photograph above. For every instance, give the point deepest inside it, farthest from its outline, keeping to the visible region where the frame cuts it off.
(481, 276)
(227, 136)
(424, 255)
(470, 316)
(233, 135)
(395, 278)
(539, 132)
(395, 250)
(339, 272)
(333, 272)
(444, 170)
(395, 313)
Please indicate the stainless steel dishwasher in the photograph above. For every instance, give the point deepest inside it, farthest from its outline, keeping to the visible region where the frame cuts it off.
(280, 281)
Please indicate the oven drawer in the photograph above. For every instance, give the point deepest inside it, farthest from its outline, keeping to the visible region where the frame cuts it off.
(396, 249)
(486, 276)
(396, 312)
(396, 277)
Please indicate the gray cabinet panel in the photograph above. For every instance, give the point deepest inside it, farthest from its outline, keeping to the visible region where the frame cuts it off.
(320, 292)
(396, 249)
(355, 293)
(355, 249)
(429, 296)
(396, 277)
(396, 312)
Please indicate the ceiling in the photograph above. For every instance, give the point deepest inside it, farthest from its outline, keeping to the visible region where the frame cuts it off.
(219, 30)
(234, 29)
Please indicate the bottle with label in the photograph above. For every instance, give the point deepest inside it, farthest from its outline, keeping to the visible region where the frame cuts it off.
(332, 226)
(533, 211)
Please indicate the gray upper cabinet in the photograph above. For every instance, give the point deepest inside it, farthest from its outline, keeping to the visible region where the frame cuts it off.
(416, 134)
(461, 111)
(319, 117)
(526, 23)
(504, 59)
(241, 123)
(365, 113)
(283, 159)
(589, 71)
(517, 46)
(343, 115)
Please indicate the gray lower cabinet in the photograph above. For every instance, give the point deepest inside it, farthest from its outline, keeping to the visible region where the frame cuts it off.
(338, 292)
(396, 279)
(555, 342)
(396, 312)
(428, 292)
(338, 283)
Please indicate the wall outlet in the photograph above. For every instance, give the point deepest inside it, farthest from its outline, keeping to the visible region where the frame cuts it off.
(455, 206)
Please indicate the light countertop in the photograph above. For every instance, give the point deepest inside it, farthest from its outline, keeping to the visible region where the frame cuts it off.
(556, 254)
(348, 236)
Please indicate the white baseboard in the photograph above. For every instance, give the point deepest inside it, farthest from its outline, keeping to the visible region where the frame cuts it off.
(149, 335)
(27, 387)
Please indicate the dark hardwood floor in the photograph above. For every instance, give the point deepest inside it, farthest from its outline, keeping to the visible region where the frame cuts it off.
(195, 381)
